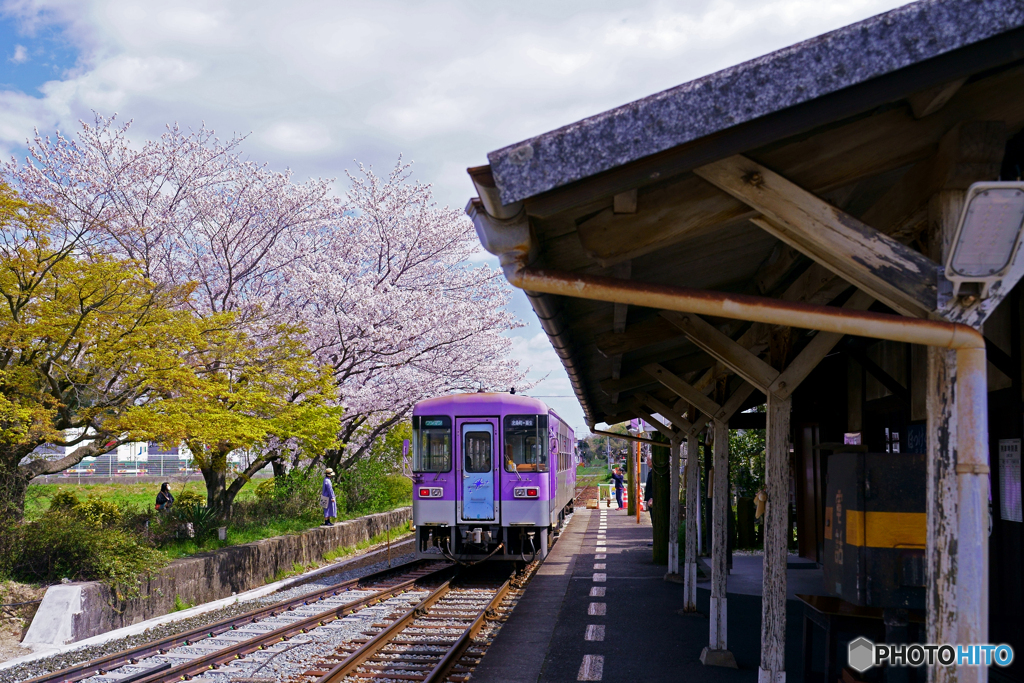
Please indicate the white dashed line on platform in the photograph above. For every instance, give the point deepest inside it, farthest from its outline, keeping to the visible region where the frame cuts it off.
(591, 669)
(602, 549)
(595, 633)
(600, 578)
(600, 565)
(600, 556)
(597, 609)
(597, 591)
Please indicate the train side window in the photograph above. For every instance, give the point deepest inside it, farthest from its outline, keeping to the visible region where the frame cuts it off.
(525, 443)
(432, 443)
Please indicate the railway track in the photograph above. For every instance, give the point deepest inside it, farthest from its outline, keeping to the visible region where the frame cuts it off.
(215, 645)
(432, 641)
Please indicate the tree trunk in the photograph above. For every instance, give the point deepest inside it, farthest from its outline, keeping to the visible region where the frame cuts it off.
(13, 486)
(280, 468)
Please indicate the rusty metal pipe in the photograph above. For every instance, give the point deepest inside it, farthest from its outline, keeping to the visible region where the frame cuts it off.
(752, 308)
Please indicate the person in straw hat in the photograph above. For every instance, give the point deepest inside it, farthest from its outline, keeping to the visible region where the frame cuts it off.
(327, 501)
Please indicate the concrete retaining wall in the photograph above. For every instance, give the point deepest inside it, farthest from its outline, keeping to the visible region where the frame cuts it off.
(200, 578)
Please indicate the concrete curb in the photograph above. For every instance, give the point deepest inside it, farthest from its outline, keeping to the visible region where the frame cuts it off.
(57, 622)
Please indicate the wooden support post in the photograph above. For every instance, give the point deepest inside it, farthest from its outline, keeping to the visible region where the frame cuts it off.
(673, 502)
(941, 548)
(776, 524)
(691, 474)
(717, 652)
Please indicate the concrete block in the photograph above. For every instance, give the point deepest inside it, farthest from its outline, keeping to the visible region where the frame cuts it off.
(53, 624)
(724, 658)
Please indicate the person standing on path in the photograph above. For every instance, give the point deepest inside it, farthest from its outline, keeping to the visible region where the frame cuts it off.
(617, 477)
(327, 500)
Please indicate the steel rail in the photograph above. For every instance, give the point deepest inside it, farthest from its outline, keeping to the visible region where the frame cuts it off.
(372, 646)
(134, 655)
(220, 657)
(459, 647)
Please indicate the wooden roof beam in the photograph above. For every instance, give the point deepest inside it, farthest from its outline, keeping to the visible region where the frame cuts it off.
(657, 424)
(721, 346)
(815, 351)
(666, 411)
(891, 272)
(682, 388)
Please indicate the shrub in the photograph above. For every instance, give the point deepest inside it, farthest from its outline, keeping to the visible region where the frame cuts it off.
(203, 520)
(188, 498)
(63, 500)
(98, 511)
(72, 547)
(266, 490)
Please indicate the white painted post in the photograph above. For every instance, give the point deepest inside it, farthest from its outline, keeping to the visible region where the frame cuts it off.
(717, 653)
(692, 491)
(673, 507)
(773, 601)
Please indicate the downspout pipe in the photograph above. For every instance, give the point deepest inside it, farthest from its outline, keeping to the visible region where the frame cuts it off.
(972, 455)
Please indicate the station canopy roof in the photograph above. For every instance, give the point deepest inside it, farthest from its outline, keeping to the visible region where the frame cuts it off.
(873, 118)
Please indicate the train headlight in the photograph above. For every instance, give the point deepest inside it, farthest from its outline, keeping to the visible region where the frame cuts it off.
(525, 492)
(431, 492)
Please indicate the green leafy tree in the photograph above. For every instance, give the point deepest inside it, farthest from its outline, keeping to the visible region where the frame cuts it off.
(262, 394)
(746, 461)
(85, 341)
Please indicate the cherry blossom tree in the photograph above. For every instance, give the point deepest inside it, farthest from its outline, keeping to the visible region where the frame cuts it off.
(396, 311)
(377, 285)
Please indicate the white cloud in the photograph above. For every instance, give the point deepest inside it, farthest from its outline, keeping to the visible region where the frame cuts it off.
(20, 55)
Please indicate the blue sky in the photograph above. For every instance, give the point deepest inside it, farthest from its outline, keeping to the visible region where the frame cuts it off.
(317, 84)
(33, 53)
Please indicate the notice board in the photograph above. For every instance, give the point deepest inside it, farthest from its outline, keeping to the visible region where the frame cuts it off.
(1009, 480)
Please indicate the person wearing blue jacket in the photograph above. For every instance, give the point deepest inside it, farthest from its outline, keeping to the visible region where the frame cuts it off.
(617, 478)
(327, 500)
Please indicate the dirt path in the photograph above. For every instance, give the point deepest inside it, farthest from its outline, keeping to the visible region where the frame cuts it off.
(14, 619)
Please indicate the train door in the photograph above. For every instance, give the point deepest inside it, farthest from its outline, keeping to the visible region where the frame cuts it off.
(478, 463)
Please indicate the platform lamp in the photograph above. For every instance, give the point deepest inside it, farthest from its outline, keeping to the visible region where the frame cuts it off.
(987, 236)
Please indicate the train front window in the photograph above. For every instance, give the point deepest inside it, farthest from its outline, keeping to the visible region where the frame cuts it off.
(526, 443)
(432, 443)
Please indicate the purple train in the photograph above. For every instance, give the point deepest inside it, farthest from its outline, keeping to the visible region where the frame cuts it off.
(494, 475)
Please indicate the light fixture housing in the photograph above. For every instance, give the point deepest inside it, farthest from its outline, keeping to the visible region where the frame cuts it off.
(987, 235)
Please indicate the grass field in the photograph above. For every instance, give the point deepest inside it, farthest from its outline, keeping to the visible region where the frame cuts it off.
(592, 476)
(37, 499)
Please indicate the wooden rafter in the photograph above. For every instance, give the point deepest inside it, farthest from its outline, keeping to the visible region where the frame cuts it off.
(815, 351)
(682, 388)
(666, 411)
(720, 346)
(902, 278)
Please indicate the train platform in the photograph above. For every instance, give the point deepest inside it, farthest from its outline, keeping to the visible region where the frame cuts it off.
(601, 610)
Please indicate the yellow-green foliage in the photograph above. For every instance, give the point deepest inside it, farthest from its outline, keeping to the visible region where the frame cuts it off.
(63, 500)
(265, 490)
(189, 497)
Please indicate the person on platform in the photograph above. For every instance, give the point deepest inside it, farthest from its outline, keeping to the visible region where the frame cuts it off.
(617, 478)
(327, 500)
(164, 499)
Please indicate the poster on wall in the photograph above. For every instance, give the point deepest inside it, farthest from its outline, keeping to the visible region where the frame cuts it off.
(1009, 480)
